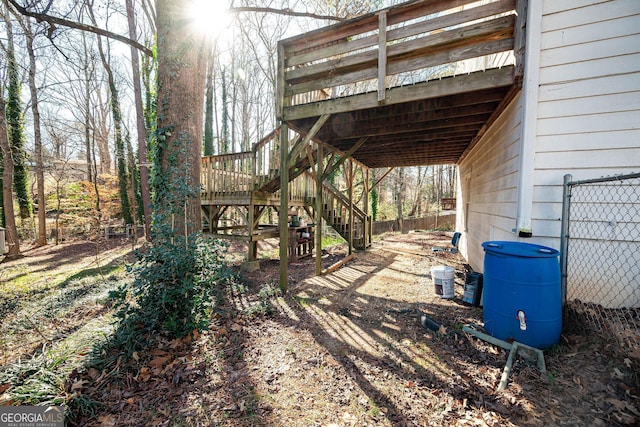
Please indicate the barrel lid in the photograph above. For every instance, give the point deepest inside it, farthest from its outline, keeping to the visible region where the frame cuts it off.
(519, 249)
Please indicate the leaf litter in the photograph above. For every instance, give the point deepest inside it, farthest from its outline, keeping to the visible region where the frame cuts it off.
(347, 349)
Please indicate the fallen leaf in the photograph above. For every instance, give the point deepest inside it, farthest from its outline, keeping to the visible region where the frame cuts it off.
(144, 374)
(618, 404)
(93, 373)
(4, 387)
(159, 352)
(135, 356)
(235, 327)
(159, 361)
(78, 385)
(107, 421)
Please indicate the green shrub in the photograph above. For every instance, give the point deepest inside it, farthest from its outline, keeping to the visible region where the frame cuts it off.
(175, 289)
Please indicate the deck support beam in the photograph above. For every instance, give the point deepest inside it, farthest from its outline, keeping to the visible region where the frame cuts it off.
(318, 210)
(382, 55)
(299, 146)
(332, 168)
(284, 206)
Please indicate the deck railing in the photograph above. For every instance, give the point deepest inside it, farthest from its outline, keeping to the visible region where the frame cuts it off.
(238, 175)
(401, 45)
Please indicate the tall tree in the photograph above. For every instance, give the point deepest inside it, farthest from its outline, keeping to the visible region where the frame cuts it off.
(7, 181)
(224, 138)
(181, 81)
(15, 125)
(209, 107)
(145, 196)
(37, 132)
(88, 73)
(116, 113)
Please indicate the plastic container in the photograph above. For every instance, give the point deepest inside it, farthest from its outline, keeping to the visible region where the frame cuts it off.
(443, 280)
(522, 294)
(472, 289)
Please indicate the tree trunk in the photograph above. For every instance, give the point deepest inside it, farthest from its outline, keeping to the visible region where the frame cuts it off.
(15, 127)
(37, 139)
(142, 146)
(181, 82)
(121, 162)
(210, 101)
(7, 183)
(224, 139)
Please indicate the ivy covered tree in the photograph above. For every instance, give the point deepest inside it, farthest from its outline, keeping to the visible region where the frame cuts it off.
(15, 125)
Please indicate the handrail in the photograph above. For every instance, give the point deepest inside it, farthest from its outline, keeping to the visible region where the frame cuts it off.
(403, 44)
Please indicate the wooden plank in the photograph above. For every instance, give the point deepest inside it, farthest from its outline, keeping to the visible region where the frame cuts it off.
(318, 210)
(280, 83)
(382, 55)
(338, 264)
(476, 34)
(449, 86)
(295, 151)
(367, 23)
(520, 36)
(412, 30)
(411, 64)
(408, 123)
(284, 206)
(343, 158)
(313, 169)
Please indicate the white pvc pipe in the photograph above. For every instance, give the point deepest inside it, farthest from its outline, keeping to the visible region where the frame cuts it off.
(528, 133)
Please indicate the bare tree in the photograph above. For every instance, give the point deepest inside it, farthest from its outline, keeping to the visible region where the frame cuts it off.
(142, 145)
(7, 184)
(37, 132)
(116, 114)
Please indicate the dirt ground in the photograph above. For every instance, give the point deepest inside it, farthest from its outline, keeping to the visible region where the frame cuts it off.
(348, 349)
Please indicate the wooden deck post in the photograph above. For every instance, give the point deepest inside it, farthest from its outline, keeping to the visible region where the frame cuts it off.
(351, 222)
(252, 220)
(284, 206)
(382, 55)
(318, 209)
(365, 201)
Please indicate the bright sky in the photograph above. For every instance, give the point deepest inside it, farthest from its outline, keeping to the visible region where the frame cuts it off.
(210, 16)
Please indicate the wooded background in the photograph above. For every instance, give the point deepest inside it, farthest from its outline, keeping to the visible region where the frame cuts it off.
(79, 95)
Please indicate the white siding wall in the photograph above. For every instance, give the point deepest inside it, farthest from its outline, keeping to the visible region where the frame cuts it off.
(488, 181)
(588, 123)
(589, 100)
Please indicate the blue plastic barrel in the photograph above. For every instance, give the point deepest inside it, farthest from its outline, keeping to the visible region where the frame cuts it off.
(522, 293)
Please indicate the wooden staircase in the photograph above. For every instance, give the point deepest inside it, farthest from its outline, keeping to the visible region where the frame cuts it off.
(337, 210)
(241, 185)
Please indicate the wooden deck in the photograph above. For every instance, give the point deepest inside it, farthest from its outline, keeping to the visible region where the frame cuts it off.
(414, 84)
(419, 81)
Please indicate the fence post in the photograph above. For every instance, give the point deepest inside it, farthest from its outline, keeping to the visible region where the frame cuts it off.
(3, 246)
(564, 235)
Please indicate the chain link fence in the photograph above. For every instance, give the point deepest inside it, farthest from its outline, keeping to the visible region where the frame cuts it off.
(600, 257)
